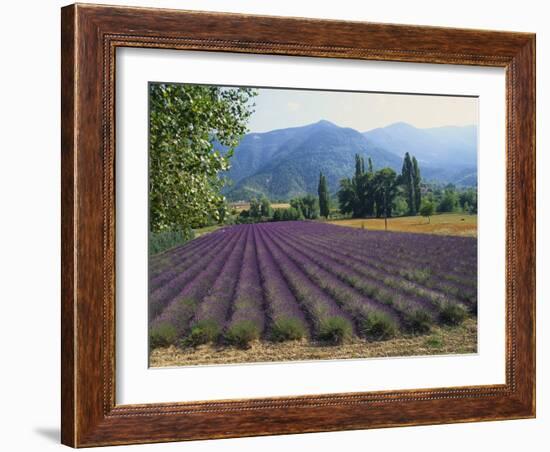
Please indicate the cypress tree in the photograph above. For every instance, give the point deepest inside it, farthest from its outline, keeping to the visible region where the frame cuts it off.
(416, 185)
(369, 189)
(407, 180)
(358, 166)
(322, 190)
(361, 187)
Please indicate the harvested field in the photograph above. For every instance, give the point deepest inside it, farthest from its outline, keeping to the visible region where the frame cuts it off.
(239, 207)
(445, 224)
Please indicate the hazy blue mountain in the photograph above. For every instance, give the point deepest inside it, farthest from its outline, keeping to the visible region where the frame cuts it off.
(256, 149)
(459, 176)
(447, 147)
(285, 163)
(294, 158)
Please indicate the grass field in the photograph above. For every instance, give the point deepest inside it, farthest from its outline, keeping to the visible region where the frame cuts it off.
(207, 229)
(239, 207)
(444, 224)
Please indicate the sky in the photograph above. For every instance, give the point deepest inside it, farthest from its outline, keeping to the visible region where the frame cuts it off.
(282, 108)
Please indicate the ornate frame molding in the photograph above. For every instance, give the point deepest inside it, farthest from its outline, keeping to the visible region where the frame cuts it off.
(90, 37)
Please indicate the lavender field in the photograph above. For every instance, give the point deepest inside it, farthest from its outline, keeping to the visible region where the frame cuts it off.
(311, 281)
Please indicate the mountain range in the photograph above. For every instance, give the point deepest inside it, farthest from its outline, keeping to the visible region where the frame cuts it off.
(285, 163)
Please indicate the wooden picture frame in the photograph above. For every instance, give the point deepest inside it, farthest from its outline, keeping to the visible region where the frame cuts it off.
(90, 35)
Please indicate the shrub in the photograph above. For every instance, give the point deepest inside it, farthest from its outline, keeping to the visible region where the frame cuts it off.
(468, 298)
(335, 330)
(418, 322)
(434, 342)
(369, 291)
(242, 333)
(385, 297)
(161, 241)
(288, 214)
(162, 335)
(287, 329)
(378, 326)
(452, 314)
(202, 332)
(421, 276)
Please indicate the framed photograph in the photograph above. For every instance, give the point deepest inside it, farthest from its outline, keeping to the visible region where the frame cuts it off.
(282, 225)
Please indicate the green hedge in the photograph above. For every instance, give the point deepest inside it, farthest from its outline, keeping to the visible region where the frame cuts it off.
(160, 241)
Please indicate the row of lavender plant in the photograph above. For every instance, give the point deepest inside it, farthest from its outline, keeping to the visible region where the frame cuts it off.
(160, 258)
(249, 271)
(173, 270)
(321, 310)
(409, 240)
(420, 279)
(159, 262)
(373, 270)
(362, 299)
(425, 276)
(418, 249)
(175, 318)
(407, 244)
(417, 314)
(460, 252)
(248, 314)
(210, 317)
(287, 320)
(251, 279)
(374, 319)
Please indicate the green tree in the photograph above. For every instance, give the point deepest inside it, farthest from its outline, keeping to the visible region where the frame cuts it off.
(184, 170)
(265, 207)
(347, 196)
(407, 180)
(360, 187)
(427, 209)
(291, 214)
(371, 168)
(400, 206)
(386, 184)
(255, 210)
(416, 184)
(277, 215)
(359, 166)
(449, 201)
(370, 190)
(468, 200)
(357, 195)
(324, 199)
(307, 205)
(310, 207)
